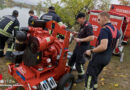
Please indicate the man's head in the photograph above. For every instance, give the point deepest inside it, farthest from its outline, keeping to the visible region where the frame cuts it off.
(51, 8)
(31, 12)
(15, 13)
(103, 18)
(80, 18)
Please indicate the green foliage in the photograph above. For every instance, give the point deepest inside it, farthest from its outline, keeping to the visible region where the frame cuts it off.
(68, 9)
(47, 3)
(38, 8)
(102, 4)
(2, 4)
(105, 5)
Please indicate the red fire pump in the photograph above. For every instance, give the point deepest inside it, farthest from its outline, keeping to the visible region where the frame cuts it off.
(41, 65)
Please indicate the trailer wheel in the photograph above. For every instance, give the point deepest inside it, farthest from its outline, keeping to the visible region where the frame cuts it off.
(66, 82)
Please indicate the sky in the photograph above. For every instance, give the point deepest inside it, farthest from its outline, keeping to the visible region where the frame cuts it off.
(114, 1)
(34, 2)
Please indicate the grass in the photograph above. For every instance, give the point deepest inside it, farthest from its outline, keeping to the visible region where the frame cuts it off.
(115, 76)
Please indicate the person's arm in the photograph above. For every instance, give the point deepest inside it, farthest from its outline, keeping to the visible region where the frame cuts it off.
(16, 27)
(89, 33)
(58, 19)
(87, 39)
(102, 47)
(103, 43)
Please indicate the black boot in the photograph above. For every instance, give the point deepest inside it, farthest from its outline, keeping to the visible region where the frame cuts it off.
(80, 78)
(1, 56)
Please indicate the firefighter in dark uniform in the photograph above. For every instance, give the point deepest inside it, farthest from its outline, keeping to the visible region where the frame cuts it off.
(8, 26)
(51, 15)
(31, 18)
(107, 40)
(85, 35)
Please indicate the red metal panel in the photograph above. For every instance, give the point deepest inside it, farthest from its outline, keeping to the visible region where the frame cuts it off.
(0, 76)
(26, 72)
(121, 9)
(96, 27)
(117, 21)
(127, 33)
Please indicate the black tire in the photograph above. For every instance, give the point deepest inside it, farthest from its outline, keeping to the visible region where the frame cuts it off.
(66, 82)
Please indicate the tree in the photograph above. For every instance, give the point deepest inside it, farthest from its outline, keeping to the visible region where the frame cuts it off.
(38, 8)
(101, 4)
(124, 2)
(68, 9)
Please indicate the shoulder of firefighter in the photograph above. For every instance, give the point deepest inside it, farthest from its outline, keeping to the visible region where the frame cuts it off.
(31, 20)
(87, 25)
(50, 16)
(88, 29)
(111, 33)
(114, 31)
(8, 24)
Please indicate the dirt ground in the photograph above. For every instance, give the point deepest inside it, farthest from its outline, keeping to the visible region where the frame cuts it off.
(115, 76)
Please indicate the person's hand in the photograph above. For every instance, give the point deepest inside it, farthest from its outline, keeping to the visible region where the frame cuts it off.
(88, 55)
(77, 39)
(88, 52)
(75, 33)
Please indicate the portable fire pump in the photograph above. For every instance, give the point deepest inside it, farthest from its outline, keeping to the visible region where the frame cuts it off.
(41, 56)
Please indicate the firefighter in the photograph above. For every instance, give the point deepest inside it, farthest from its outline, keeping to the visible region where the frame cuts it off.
(31, 18)
(85, 35)
(107, 40)
(51, 15)
(9, 24)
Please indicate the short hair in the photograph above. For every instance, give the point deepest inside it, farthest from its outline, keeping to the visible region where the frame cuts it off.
(80, 15)
(15, 13)
(31, 12)
(105, 14)
(51, 8)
